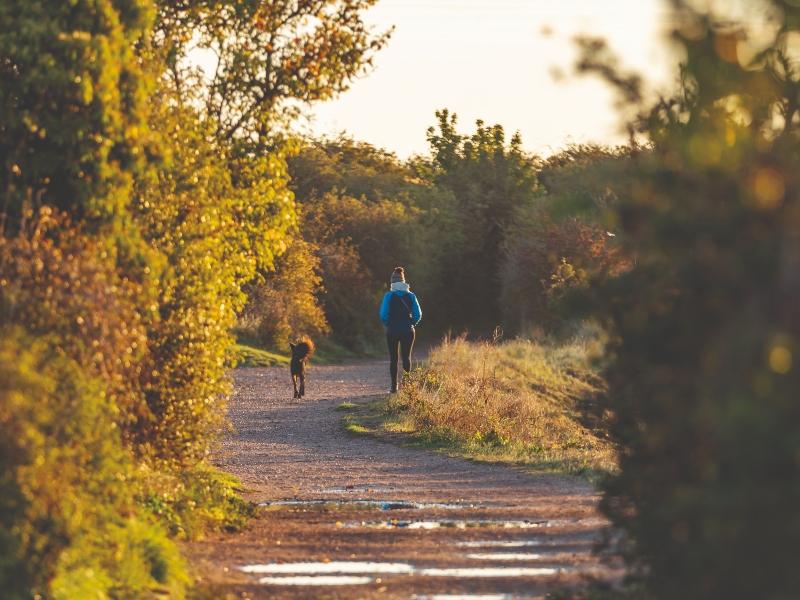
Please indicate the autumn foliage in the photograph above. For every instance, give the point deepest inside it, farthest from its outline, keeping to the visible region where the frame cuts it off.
(137, 201)
(704, 325)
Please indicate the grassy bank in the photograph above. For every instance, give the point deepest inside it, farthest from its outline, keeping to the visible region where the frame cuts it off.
(249, 353)
(518, 402)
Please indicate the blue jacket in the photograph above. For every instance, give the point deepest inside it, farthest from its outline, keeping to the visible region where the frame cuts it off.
(399, 320)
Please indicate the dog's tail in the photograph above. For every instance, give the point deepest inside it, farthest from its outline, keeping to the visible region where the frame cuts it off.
(305, 348)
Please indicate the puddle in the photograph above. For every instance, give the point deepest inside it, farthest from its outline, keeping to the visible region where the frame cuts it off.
(366, 503)
(307, 580)
(501, 544)
(505, 556)
(490, 572)
(466, 597)
(474, 523)
(452, 523)
(351, 489)
(353, 573)
(327, 568)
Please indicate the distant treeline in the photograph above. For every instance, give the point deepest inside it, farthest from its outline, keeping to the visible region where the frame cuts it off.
(490, 235)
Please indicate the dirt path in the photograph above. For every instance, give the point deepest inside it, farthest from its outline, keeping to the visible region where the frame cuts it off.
(382, 520)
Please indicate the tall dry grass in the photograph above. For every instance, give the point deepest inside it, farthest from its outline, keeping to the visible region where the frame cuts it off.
(517, 401)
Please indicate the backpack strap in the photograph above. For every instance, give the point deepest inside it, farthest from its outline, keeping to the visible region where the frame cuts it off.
(405, 303)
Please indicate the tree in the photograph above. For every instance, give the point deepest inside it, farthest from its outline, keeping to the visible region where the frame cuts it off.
(72, 130)
(219, 210)
(705, 326)
(490, 180)
(266, 56)
(561, 241)
(285, 306)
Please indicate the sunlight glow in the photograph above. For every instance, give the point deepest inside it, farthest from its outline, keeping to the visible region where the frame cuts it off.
(505, 61)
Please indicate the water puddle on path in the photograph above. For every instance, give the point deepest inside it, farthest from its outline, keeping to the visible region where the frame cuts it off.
(352, 573)
(452, 523)
(501, 543)
(469, 597)
(366, 503)
(490, 572)
(325, 568)
(360, 488)
(507, 556)
(475, 523)
(311, 580)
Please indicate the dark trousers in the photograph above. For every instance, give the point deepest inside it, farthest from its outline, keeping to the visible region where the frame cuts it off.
(404, 341)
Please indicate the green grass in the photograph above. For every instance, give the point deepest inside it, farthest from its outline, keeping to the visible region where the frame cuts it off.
(328, 352)
(516, 403)
(249, 356)
(195, 501)
(365, 417)
(345, 406)
(356, 428)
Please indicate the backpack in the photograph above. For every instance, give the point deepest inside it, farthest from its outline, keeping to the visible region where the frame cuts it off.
(400, 313)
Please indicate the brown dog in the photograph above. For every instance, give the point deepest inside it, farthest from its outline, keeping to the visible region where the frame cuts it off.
(301, 352)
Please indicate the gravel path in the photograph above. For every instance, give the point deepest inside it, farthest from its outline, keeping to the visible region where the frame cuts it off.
(383, 520)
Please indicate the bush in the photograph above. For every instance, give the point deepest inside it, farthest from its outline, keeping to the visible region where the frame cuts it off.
(69, 523)
(351, 301)
(193, 501)
(545, 261)
(64, 284)
(71, 107)
(213, 226)
(704, 328)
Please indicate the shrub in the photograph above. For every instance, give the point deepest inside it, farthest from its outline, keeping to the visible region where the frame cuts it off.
(547, 259)
(350, 299)
(72, 130)
(214, 226)
(69, 523)
(705, 326)
(64, 284)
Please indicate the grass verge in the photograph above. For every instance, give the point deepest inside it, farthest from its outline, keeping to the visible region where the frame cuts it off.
(196, 501)
(517, 403)
(327, 353)
(249, 356)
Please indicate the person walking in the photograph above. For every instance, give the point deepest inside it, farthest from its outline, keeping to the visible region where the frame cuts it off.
(400, 313)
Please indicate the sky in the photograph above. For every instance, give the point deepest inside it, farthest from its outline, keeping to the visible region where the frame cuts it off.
(494, 60)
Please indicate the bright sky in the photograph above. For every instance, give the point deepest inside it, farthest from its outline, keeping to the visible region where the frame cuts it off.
(493, 59)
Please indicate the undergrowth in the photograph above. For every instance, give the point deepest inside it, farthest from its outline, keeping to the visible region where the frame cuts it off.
(193, 502)
(518, 402)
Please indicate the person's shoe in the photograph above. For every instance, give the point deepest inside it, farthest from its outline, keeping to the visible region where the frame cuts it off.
(393, 389)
